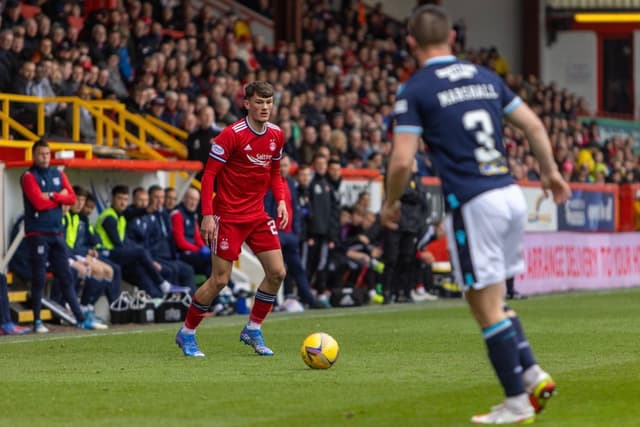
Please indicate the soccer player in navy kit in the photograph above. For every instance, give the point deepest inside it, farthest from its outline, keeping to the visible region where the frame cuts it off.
(457, 108)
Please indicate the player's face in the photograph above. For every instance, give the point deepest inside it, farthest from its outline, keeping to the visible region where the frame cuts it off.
(259, 108)
(80, 200)
(157, 200)
(42, 157)
(88, 208)
(141, 200)
(120, 202)
(191, 200)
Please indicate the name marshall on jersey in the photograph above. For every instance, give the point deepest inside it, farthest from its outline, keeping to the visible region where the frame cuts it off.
(471, 92)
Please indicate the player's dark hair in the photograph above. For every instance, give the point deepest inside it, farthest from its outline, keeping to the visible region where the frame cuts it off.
(90, 197)
(260, 88)
(138, 190)
(119, 189)
(154, 188)
(39, 143)
(80, 191)
(334, 161)
(429, 25)
(167, 189)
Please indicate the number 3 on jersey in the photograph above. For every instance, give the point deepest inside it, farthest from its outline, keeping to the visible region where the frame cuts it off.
(489, 159)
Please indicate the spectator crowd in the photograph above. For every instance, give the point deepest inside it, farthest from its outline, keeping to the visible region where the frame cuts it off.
(334, 96)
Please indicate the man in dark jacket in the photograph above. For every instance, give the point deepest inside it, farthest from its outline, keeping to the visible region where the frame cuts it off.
(199, 141)
(290, 235)
(399, 246)
(323, 226)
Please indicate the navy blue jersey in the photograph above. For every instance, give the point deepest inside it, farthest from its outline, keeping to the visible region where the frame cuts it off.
(457, 108)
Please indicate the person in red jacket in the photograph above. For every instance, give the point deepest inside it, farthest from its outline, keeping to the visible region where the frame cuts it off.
(186, 234)
(45, 190)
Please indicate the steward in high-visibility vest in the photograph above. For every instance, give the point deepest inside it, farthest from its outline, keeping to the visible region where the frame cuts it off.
(105, 276)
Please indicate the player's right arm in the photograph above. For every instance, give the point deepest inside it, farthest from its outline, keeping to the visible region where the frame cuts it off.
(406, 137)
(221, 149)
(525, 119)
(40, 201)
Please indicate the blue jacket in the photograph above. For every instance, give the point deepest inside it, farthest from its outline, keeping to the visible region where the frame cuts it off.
(271, 208)
(48, 221)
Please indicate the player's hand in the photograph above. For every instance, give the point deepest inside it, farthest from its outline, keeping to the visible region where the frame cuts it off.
(390, 214)
(64, 192)
(557, 185)
(283, 215)
(207, 228)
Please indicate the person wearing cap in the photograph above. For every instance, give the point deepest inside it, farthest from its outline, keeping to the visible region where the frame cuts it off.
(157, 107)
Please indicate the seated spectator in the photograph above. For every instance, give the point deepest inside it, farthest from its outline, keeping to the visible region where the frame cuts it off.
(24, 84)
(136, 263)
(186, 234)
(101, 276)
(170, 199)
(87, 126)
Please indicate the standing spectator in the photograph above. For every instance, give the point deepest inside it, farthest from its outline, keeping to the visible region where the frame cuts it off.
(45, 190)
(322, 232)
(399, 244)
(7, 327)
(486, 211)
(186, 234)
(303, 182)
(244, 161)
(290, 235)
(199, 141)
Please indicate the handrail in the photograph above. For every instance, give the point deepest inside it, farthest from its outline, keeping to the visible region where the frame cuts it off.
(172, 130)
(106, 127)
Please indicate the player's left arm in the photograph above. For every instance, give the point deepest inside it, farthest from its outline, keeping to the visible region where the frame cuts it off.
(276, 186)
(68, 197)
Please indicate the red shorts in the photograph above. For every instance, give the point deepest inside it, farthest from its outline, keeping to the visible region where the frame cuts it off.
(261, 235)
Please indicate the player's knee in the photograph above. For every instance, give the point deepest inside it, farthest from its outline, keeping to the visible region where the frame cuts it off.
(218, 281)
(276, 277)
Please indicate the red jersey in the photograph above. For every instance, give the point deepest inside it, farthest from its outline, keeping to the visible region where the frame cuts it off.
(243, 164)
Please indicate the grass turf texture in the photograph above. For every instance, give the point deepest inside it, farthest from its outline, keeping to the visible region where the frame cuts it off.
(400, 365)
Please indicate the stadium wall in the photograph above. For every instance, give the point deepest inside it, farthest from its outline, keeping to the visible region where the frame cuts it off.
(572, 63)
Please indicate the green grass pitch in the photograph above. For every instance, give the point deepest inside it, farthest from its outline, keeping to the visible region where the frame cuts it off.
(400, 365)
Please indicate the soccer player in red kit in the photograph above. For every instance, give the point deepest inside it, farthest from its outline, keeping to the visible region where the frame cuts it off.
(244, 161)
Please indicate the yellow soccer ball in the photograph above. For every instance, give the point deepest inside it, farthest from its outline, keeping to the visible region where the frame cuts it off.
(320, 350)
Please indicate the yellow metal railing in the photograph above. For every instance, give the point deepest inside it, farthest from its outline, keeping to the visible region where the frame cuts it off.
(112, 123)
(113, 126)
